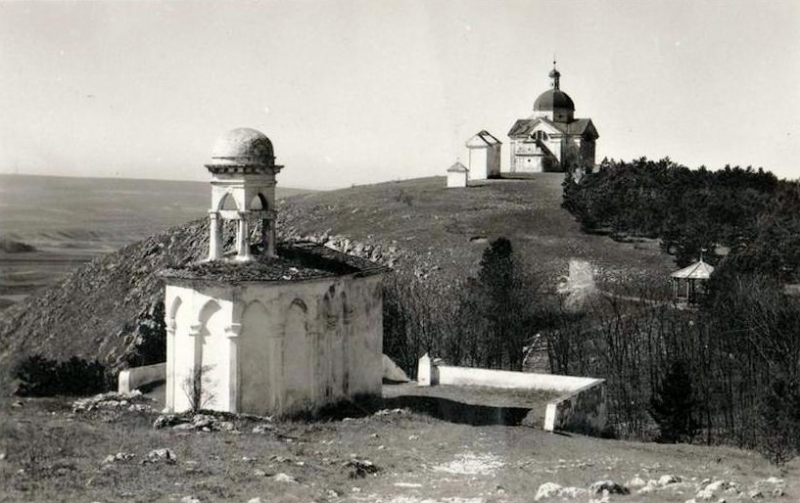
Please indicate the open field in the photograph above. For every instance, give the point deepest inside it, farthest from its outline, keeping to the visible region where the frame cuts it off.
(50, 453)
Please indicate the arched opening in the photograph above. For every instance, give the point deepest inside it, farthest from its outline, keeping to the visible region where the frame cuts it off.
(208, 387)
(259, 202)
(259, 359)
(228, 203)
(296, 358)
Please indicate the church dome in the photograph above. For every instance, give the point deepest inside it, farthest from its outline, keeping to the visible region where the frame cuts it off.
(243, 147)
(553, 99)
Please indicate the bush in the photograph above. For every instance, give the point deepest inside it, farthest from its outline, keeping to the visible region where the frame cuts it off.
(779, 422)
(40, 376)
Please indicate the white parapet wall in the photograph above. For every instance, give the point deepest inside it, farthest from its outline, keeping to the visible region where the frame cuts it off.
(137, 377)
(580, 408)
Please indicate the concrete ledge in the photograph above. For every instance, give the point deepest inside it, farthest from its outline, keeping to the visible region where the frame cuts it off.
(581, 409)
(137, 377)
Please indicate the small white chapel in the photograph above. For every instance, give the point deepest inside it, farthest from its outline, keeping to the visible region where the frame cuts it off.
(265, 327)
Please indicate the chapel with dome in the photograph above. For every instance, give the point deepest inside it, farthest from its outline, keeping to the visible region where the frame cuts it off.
(263, 326)
(551, 138)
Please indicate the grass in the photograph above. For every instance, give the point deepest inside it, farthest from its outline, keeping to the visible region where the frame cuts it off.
(449, 228)
(52, 454)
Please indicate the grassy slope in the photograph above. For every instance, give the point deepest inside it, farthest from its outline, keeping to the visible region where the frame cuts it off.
(61, 455)
(423, 216)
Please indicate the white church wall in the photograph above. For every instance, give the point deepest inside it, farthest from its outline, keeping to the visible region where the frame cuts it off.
(301, 345)
(477, 163)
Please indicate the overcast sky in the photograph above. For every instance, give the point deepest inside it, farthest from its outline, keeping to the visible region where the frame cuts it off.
(354, 92)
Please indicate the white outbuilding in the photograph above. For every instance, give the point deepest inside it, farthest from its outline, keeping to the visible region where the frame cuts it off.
(484, 156)
(457, 175)
(264, 327)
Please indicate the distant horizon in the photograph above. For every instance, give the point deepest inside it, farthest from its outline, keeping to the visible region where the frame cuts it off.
(314, 189)
(354, 92)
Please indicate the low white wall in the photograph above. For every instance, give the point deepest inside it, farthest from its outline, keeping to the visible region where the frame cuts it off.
(463, 376)
(137, 377)
(581, 408)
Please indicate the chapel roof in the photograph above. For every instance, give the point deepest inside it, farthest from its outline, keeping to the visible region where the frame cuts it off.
(296, 261)
(524, 127)
(483, 138)
(457, 168)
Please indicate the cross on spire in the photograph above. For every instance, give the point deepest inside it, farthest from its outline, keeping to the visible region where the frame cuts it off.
(555, 75)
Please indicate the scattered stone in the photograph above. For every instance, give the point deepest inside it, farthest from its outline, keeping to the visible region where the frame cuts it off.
(667, 480)
(413, 437)
(774, 480)
(190, 499)
(254, 500)
(184, 427)
(552, 490)
(607, 487)
(17, 404)
(360, 468)
(755, 494)
(407, 484)
(259, 473)
(709, 491)
(262, 428)
(161, 455)
(120, 456)
(548, 490)
(2, 456)
(282, 477)
(227, 426)
(636, 482)
(778, 492)
(333, 493)
(166, 420)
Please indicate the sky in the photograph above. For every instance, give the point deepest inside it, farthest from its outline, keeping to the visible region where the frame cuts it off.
(356, 92)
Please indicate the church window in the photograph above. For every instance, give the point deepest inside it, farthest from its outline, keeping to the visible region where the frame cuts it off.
(539, 136)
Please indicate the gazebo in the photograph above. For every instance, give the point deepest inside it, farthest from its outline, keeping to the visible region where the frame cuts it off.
(689, 283)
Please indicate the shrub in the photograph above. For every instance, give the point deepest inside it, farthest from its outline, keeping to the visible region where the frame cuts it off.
(779, 422)
(672, 405)
(41, 376)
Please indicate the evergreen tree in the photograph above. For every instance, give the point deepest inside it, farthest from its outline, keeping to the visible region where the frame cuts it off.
(673, 404)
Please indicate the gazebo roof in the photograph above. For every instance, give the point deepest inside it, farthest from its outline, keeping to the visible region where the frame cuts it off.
(698, 270)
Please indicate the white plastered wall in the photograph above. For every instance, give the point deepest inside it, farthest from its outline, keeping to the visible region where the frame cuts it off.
(278, 348)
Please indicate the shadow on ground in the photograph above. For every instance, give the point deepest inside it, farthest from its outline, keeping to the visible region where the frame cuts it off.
(458, 412)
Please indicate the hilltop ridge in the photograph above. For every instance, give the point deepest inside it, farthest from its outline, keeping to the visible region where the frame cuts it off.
(416, 227)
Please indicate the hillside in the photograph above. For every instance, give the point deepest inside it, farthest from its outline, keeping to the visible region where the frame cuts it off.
(417, 227)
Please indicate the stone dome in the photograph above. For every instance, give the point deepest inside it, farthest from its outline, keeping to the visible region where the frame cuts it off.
(553, 99)
(243, 147)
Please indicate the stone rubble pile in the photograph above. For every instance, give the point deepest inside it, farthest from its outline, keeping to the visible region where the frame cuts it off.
(705, 491)
(133, 402)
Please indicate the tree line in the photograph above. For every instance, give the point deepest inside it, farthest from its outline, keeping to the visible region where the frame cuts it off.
(744, 214)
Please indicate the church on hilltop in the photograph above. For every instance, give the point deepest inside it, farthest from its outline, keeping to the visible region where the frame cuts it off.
(552, 139)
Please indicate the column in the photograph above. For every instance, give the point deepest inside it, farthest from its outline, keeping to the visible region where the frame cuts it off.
(242, 241)
(170, 392)
(232, 332)
(215, 236)
(271, 237)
